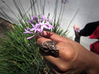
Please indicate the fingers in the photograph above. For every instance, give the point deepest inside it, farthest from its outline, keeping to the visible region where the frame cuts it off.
(41, 39)
(48, 36)
(53, 36)
(61, 46)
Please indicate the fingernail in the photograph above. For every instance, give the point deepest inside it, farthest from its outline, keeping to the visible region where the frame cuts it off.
(44, 33)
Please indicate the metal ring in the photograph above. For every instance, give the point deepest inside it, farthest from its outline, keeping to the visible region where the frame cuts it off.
(50, 48)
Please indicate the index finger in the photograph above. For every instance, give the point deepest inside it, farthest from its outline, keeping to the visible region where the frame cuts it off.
(51, 36)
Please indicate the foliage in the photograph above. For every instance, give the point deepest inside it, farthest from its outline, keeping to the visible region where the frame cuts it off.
(21, 55)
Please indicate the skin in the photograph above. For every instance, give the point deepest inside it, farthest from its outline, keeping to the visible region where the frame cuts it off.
(73, 57)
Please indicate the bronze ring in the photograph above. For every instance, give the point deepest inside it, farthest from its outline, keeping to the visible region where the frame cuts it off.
(50, 48)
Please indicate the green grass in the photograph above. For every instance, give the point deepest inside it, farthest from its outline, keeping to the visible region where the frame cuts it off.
(21, 56)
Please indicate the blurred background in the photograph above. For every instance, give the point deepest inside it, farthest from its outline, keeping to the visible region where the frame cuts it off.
(88, 11)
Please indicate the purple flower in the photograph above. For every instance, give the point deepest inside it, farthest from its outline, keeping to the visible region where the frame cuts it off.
(64, 1)
(30, 37)
(30, 21)
(35, 28)
(27, 31)
(40, 25)
(43, 17)
(28, 28)
(58, 24)
(43, 26)
(50, 27)
(3, 1)
(33, 19)
(48, 2)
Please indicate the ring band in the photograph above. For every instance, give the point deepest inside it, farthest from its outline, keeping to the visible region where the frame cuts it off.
(50, 48)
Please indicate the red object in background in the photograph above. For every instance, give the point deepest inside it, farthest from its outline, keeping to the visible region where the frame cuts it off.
(95, 34)
(95, 46)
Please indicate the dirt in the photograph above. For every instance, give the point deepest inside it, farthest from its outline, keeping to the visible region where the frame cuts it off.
(4, 26)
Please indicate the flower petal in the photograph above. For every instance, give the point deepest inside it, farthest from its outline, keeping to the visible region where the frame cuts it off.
(30, 37)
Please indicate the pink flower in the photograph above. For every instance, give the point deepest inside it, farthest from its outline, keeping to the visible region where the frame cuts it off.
(64, 1)
(35, 28)
(27, 31)
(39, 25)
(3, 1)
(30, 37)
(33, 19)
(50, 27)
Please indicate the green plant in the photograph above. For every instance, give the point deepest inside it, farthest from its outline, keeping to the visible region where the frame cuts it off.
(20, 55)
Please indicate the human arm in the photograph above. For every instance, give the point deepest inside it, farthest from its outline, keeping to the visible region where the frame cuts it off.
(73, 58)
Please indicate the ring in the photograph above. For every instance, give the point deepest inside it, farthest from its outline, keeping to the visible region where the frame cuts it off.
(50, 48)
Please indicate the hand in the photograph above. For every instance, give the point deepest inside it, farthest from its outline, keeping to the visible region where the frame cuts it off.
(73, 57)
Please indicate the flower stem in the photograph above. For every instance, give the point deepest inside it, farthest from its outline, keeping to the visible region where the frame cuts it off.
(5, 15)
(72, 19)
(11, 10)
